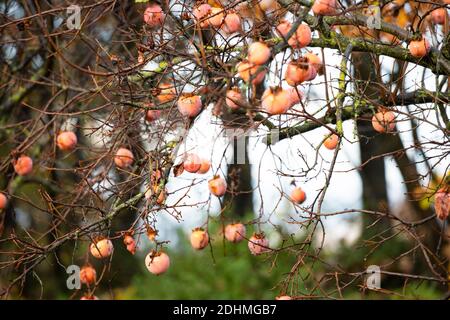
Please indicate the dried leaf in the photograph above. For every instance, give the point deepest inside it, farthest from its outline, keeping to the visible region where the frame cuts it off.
(178, 169)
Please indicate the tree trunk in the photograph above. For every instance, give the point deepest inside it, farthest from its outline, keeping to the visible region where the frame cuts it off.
(373, 173)
(240, 195)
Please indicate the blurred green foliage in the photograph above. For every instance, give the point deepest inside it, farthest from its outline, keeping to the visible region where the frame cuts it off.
(229, 271)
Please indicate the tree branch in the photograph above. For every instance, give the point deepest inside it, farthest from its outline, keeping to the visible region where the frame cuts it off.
(348, 112)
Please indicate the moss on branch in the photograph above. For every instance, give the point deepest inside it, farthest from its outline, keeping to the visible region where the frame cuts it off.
(436, 61)
(337, 41)
(360, 107)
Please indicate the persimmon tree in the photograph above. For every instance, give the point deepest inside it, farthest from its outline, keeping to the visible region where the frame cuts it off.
(98, 121)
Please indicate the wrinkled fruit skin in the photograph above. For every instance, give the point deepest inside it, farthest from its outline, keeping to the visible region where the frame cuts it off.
(101, 249)
(298, 72)
(267, 5)
(383, 121)
(23, 165)
(258, 244)
(157, 263)
(217, 186)
(232, 23)
(89, 298)
(298, 195)
(233, 99)
(152, 115)
(419, 48)
(295, 95)
(192, 163)
(324, 7)
(235, 232)
(312, 73)
(167, 92)
(216, 17)
(199, 239)
(123, 158)
(3, 201)
(190, 106)
(258, 53)
(154, 15)
(301, 38)
(331, 142)
(442, 204)
(66, 140)
(130, 244)
(283, 298)
(283, 28)
(315, 61)
(276, 101)
(88, 275)
(200, 13)
(247, 70)
(438, 16)
(204, 167)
